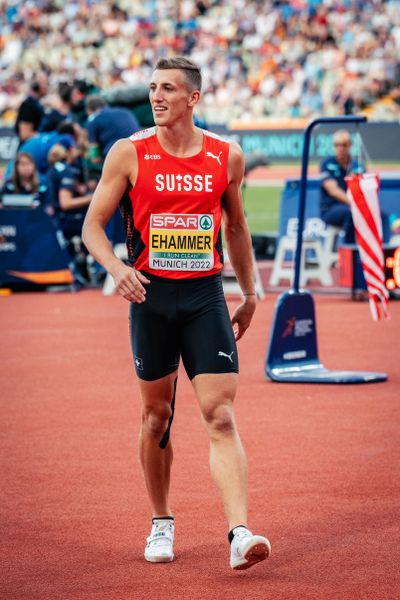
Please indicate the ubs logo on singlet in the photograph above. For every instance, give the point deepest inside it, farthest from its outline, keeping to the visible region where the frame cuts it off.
(170, 182)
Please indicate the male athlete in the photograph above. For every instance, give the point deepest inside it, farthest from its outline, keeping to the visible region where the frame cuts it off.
(174, 183)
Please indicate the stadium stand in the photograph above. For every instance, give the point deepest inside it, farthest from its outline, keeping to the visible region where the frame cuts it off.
(292, 58)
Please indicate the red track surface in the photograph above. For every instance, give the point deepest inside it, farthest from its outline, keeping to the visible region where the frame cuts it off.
(324, 463)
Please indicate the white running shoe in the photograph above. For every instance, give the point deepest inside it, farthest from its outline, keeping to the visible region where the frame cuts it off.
(248, 549)
(160, 543)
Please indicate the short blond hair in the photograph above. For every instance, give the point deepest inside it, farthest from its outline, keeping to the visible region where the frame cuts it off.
(342, 135)
(190, 70)
(56, 153)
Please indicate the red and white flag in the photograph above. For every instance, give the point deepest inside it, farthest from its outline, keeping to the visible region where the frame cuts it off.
(364, 202)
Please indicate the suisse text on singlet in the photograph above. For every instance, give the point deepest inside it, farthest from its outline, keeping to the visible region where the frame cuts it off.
(183, 183)
(181, 242)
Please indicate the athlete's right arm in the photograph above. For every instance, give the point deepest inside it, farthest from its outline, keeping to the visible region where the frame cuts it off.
(119, 172)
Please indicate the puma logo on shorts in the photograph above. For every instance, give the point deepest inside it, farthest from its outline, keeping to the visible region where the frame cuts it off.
(220, 353)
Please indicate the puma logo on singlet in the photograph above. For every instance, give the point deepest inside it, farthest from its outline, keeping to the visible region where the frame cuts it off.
(217, 158)
(227, 355)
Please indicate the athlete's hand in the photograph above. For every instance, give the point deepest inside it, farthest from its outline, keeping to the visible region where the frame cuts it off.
(130, 283)
(242, 316)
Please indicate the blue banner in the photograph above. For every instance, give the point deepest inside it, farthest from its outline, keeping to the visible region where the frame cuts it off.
(389, 195)
(31, 249)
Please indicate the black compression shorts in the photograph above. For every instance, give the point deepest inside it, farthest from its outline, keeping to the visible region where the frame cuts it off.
(187, 318)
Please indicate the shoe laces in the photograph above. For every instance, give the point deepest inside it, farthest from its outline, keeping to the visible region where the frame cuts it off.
(161, 532)
(242, 533)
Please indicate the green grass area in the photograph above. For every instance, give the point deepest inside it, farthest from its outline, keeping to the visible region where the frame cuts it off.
(262, 205)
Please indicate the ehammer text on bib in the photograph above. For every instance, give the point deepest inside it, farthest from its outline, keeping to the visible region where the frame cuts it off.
(181, 242)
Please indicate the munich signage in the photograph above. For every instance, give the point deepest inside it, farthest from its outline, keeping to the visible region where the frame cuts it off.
(380, 142)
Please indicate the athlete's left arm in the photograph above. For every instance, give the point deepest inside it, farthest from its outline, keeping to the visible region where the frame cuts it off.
(238, 240)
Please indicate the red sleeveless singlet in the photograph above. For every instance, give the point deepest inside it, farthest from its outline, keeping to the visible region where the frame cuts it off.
(173, 215)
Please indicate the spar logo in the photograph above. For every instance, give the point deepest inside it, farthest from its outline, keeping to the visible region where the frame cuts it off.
(171, 221)
(205, 222)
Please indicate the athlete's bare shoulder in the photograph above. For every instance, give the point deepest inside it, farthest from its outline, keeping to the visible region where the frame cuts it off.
(122, 158)
(235, 150)
(122, 148)
(235, 162)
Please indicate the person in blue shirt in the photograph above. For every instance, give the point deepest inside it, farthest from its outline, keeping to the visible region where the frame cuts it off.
(68, 197)
(334, 203)
(38, 146)
(106, 125)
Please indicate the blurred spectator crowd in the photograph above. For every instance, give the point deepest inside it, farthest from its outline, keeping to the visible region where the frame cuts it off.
(266, 58)
(58, 161)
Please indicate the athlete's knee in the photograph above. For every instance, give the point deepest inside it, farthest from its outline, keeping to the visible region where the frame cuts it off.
(155, 422)
(218, 419)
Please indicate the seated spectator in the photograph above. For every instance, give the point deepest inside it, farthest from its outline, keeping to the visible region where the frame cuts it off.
(311, 103)
(69, 201)
(31, 111)
(73, 134)
(24, 179)
(67, 195)
(106, 125)
(74, 95)
(334, 202)
(345, 48)
(39, 145)
(53, 117)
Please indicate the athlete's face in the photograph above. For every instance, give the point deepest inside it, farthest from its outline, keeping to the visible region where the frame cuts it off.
(170, 97)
